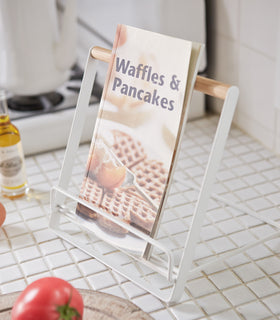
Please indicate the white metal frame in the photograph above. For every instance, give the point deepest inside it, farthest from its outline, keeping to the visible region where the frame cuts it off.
(175, 276)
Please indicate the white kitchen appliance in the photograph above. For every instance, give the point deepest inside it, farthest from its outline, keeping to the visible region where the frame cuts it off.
(37, 46)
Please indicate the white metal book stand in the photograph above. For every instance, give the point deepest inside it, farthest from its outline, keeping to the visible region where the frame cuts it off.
(163, 273)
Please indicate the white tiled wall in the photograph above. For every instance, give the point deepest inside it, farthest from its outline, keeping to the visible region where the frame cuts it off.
(244, 50)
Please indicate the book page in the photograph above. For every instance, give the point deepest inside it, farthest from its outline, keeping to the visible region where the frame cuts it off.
(131, 159)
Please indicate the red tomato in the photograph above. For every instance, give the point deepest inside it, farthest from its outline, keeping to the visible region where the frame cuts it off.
(2, 214)
(48, 299)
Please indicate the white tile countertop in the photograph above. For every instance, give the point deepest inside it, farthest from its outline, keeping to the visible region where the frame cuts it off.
(245, 286)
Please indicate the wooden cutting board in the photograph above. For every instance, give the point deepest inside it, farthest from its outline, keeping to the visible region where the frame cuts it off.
(98, 306)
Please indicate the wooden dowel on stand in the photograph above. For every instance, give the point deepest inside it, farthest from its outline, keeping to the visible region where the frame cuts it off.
(211, 87)
(101, 54)
(208, 86)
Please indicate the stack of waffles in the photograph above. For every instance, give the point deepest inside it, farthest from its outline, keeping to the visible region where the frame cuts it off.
(125, 202)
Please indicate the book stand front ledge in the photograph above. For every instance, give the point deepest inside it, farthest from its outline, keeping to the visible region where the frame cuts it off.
(163, 273)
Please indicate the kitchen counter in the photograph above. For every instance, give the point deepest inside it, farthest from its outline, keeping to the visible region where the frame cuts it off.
(245, 286)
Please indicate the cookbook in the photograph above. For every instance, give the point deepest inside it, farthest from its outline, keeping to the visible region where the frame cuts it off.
(138, 130)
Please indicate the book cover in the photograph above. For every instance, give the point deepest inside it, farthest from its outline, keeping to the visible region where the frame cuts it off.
(137, 133)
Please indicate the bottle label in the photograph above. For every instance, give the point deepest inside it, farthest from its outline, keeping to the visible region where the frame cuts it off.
(12, 168)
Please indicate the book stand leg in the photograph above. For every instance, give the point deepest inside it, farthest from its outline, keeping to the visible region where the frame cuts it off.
(159, 274)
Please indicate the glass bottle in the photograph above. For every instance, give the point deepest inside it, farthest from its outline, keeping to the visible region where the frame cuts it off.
(13, 179)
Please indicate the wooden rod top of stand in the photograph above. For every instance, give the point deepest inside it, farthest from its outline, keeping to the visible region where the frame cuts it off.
(208, 86)
(211, 87)
(101, 54)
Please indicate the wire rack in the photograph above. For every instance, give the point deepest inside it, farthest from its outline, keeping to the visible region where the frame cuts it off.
(179, 250)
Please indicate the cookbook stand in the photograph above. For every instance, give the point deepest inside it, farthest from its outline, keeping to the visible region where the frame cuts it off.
(163, 273)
